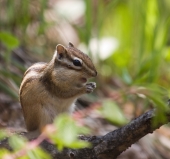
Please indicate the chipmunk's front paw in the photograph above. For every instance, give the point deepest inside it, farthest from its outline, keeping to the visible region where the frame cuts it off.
(90, 87)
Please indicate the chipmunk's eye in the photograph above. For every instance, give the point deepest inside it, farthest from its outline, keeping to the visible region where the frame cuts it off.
(77, 62)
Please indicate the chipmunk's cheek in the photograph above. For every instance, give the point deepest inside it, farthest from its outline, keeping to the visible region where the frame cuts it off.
(83, 80)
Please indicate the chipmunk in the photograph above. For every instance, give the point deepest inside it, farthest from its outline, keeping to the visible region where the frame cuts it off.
(48, 89)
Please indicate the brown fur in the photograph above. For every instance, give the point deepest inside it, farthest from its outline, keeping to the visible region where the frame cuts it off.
(49, 89)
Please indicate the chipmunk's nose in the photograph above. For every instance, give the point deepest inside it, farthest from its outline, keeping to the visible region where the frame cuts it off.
(94, 74)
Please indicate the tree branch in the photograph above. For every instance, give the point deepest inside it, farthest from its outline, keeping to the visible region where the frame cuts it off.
(111, 145)
(114, 143)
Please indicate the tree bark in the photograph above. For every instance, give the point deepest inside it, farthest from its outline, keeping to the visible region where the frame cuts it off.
(111, 145)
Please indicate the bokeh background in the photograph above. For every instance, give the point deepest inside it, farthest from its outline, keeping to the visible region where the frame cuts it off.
(128, 40)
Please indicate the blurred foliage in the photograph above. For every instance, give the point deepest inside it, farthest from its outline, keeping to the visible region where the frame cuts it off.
(62, 138)
(22, 149)
(112, 112)
(140, 27)
(63, 133)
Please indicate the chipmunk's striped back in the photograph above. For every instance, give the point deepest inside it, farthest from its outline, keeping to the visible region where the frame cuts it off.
(32, 73)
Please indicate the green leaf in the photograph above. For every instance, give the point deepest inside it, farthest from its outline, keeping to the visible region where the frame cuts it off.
(154, 93)
(161, 109)
(9, 40)
(2, 135)
(112, 112)
(38, 153)
(126, 76)
(17, 142)
(79, 144)
(67, 133)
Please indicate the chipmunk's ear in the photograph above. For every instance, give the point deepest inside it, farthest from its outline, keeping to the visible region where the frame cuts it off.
(70, 44)
(61, 50)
